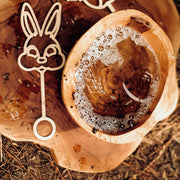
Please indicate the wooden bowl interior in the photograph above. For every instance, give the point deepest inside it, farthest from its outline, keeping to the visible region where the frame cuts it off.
(154, 36)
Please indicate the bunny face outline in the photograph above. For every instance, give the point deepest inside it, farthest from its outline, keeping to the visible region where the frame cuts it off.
(31, 29)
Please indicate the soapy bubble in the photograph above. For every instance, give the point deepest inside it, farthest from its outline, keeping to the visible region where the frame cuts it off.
(104, 50)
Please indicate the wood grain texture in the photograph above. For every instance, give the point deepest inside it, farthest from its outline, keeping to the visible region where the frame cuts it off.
(20, 92)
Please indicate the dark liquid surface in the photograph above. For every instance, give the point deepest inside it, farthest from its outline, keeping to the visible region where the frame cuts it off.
(119, 93)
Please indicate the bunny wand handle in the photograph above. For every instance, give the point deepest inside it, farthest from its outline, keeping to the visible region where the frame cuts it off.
(43, 111)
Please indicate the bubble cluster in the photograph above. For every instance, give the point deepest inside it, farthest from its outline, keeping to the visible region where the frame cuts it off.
(104, 49)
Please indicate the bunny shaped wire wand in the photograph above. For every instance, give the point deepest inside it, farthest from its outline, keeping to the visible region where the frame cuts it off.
(32, 30)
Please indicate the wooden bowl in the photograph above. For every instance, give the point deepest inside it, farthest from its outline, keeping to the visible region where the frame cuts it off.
(72, 146)
(167, 94)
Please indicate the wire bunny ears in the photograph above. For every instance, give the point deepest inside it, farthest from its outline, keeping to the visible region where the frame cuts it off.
(54, 12)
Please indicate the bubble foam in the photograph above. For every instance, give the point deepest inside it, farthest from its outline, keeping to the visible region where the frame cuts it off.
(104, 49)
